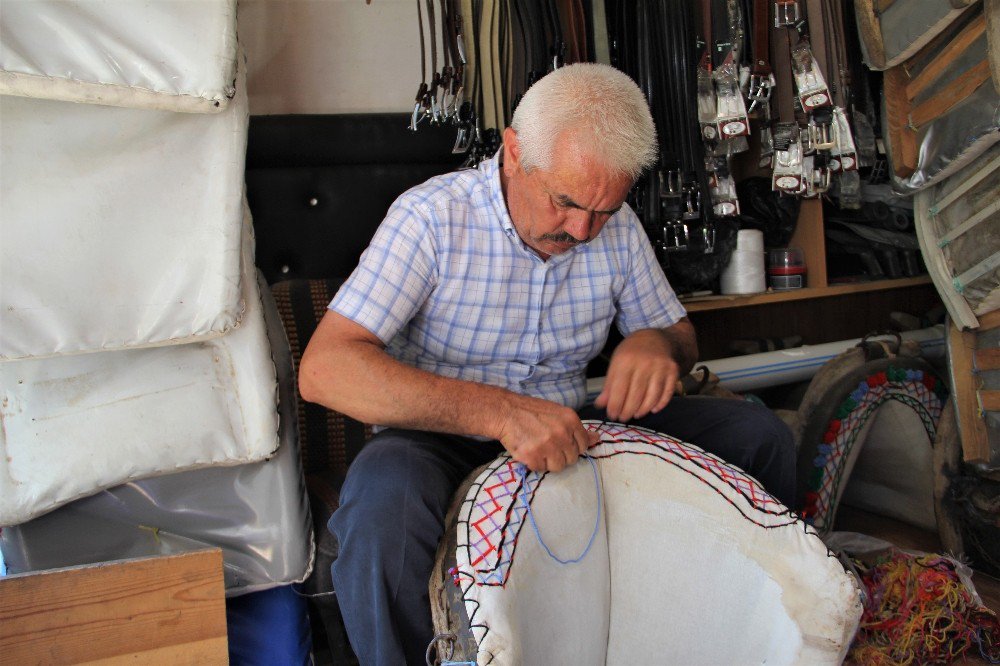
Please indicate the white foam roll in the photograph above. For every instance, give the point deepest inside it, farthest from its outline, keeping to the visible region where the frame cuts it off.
(744, 274)
(749, 240)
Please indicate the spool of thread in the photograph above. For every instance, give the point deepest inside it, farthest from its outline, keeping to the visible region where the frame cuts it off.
(744, 274)
(749, 240)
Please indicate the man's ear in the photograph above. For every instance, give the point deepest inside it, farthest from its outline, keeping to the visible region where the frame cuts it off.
(511, 152)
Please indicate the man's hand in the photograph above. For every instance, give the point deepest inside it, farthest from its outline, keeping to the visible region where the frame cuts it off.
(543, 435)
(644, 370)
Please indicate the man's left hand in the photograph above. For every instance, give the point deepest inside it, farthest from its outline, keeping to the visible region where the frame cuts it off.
(644, 370)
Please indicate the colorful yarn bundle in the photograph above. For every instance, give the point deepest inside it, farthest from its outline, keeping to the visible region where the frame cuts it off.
(918, 611)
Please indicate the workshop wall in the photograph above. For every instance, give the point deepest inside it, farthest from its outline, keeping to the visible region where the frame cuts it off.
(330, 56)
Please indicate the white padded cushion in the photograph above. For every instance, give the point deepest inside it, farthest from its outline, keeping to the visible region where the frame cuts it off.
(257, 513)
(120, 227)
(74, 425)
(694, 563)
(174, 55)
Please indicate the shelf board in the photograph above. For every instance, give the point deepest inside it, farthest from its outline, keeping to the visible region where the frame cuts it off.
(703, 303)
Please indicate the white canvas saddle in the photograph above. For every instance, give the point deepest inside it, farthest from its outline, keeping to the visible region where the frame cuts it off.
(685, 560)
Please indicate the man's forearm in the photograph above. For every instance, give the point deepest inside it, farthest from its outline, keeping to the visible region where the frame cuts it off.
(359, 379)
(684, 343)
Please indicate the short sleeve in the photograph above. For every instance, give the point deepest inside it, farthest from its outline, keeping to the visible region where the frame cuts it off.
(395, 274)
(646, 300)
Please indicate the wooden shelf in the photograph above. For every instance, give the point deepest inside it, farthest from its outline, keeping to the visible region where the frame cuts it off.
(725, 302)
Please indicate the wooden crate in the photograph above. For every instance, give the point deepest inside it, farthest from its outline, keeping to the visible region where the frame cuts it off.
(159, 610)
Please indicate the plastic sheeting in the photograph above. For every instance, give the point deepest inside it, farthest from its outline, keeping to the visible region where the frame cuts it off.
(76, 424)
(955, 139)
(959, 134)
(257, 513)
(174, 55)
(120, 227)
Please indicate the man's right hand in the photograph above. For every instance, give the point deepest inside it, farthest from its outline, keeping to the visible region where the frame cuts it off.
(543, 435)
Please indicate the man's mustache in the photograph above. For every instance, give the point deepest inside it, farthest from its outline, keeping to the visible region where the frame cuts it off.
(562, 237)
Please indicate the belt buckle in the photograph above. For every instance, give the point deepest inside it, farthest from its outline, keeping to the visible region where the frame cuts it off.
(788, 168)
(845, 153)
(692, 203)
(707, 107)
(724, 200)
(809, 82)
(731, 112)
(822, 136)
(671, 184)
(708, 237)
(674, 236)
(817, 178)
(760, 90)
(421, 107)
(786, 13)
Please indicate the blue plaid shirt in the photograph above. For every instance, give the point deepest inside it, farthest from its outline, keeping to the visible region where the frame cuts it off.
(449, 287)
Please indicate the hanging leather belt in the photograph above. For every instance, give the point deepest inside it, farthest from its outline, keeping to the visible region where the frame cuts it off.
(761, 77)
(652, 41)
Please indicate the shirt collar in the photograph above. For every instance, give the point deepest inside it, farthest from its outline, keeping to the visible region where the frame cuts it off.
(491, 170)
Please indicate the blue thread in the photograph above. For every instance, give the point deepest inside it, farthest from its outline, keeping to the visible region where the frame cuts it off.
(531, 516)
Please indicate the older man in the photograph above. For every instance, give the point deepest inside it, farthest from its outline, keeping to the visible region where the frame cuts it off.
(467, 327)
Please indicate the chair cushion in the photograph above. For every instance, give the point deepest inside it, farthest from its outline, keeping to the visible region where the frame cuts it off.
(328, 439)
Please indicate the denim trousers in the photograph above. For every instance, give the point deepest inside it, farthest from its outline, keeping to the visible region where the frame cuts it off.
(400, 486)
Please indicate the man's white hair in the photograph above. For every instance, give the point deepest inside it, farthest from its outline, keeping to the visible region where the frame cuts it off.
(597, 102)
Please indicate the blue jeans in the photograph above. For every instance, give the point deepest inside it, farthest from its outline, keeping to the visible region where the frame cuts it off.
(400, 486)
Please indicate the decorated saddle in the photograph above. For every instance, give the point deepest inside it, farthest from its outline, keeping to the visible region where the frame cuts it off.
(648, 550)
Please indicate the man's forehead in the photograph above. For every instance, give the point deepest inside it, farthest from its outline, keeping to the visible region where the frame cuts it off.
(605, 194)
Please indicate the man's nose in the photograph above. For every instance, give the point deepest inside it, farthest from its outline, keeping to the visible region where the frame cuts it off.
(579, 224)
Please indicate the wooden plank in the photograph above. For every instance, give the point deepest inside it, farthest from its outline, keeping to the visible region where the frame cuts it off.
(952, 94)
(902, 138)
(725, 302)
(987, 359)
(989, 321)
(989, 401)
(164, 609)
(208, 651)
(809, 237)
(971, 426)
(946, 57)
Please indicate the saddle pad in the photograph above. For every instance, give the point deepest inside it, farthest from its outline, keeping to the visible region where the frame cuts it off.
(74, 425)
(120, 227)
(894, 472)
(692, 562)
(174, 55)
(257, 513)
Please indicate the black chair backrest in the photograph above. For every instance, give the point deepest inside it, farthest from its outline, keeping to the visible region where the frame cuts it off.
(319, 185)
